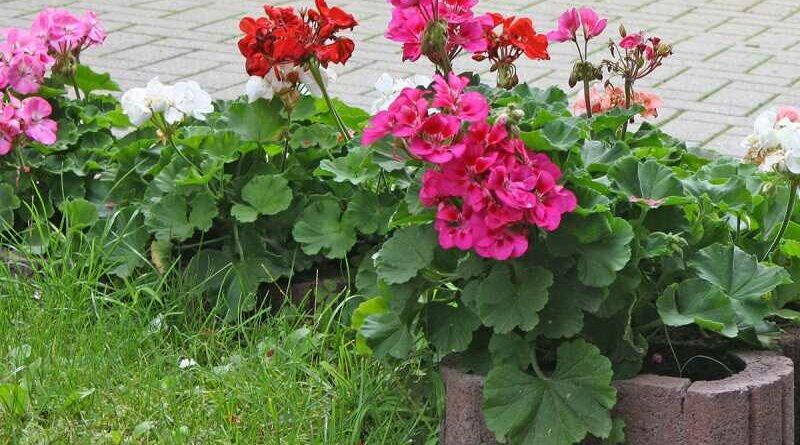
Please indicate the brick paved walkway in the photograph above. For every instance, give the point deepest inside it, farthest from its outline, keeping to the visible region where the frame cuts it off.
(733, 57)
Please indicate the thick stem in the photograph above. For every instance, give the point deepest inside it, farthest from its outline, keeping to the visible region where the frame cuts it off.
(786, 219)
(588, 98)
(313, 66)
(445, 66)
(628, 98)
(75, 88)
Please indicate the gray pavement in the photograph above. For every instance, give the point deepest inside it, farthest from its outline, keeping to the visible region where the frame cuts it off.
(733, 57)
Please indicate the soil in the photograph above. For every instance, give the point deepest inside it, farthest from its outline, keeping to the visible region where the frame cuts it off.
(695, 363)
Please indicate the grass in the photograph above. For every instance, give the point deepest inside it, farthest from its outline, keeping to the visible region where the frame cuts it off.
(87, 361)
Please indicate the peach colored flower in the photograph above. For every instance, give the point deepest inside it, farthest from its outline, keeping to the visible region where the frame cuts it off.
(614, 97)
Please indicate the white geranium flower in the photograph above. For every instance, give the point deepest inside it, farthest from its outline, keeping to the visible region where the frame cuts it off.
(258, 88)
(139, 104)
(306, 78)
(188, 99)
(789, 138)
(177, 102)
(390, 88)
(186, 363)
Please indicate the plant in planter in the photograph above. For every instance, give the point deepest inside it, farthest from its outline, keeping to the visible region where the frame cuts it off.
(257, 194)
(570, 251)
(54, 149)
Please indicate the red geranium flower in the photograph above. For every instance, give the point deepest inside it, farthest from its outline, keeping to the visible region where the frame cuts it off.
(286, 37)
(516, 38)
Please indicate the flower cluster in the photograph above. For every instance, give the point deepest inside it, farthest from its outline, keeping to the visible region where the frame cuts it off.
(636, 56)
(486, 185)
(27, 117)
(775, 142)
(614, 97)
(54, 41)
(67, 34)
(437, 29)
(170, 104)
(25, 61)
(285, 36)
(516, 38)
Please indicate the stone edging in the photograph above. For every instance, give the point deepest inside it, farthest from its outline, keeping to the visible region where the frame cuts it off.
(753, 407)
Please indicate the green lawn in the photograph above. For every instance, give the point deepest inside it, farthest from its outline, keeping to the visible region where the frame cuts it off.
(83, 361)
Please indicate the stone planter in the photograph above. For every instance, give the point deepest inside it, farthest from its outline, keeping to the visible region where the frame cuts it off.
(752, 407)
(790, 342)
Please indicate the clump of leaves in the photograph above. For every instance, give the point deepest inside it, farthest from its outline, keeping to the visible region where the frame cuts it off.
(662, 239)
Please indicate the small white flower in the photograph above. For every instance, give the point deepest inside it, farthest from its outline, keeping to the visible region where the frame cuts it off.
(789, 138)
(258, 88)
(176, 102)
(186, 363)
(390, 88)
(306, 78)
(188, 99)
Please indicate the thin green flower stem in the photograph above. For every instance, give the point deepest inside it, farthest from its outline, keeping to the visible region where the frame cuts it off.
(74, 81)
(628, 98)
(535, 363)
(587, 97)
(182, 155)
(314, 68)
(786, 219)
(286, 137)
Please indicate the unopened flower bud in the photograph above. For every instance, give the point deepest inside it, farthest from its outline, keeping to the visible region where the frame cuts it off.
(664, 50)
(573, 77)
(434, 40)
(622, 32)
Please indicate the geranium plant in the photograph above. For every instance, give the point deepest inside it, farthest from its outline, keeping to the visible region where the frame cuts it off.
(554, 253)
(53, 147)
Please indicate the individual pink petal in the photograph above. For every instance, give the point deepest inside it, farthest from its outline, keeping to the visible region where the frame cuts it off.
(591, 23)
(631, 41)
(790, 113)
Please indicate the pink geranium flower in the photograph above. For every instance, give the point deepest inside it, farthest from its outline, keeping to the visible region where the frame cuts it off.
(591, 23)
(25, 73)
(792, 114)
(9, 128)
(503, 244)
(573, 19)
(631, 41)
(487, 186)
(34, 114)
(436, 140)
(412, 18)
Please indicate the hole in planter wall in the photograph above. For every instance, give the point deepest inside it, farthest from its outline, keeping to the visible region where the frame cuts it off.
(693, 363)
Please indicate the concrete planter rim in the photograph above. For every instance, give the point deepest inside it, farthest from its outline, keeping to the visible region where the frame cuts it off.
(755, 406)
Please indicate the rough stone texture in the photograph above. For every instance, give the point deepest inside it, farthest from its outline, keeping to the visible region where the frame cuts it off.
(733, 57)
(790, 342)
(753, 407)
(463, 423)
(645, 401)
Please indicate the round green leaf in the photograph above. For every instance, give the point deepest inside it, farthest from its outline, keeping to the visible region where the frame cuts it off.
(407, 252)
(450, 327)
(268, 194)
(559, 410)
(259, 122)
(699, 302)
(320, 229)
(244, 213)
